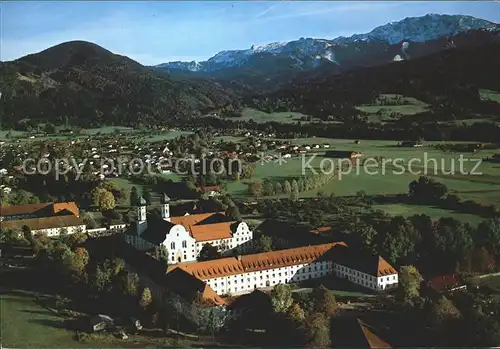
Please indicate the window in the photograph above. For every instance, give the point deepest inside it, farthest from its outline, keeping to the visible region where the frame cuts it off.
(184, 244)
(172, 245)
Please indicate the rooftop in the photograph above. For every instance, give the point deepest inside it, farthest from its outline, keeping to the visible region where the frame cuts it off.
(45, 209)
(256, 262)
(374, 265)
(43, 223)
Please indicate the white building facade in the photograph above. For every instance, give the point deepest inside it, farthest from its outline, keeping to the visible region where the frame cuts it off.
(185, 236)
(244, 274)
(374, 282)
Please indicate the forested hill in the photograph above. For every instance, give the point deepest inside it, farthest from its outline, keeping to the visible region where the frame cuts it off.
(90, 86)
(446, 79)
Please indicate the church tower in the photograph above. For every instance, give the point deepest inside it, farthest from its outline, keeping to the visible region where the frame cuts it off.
(141, 210)
(142, 223)
(165, 207)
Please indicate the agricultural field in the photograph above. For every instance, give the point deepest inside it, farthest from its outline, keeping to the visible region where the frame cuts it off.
(83, 133)
(261, 117)
(406, 106)
(484, 187)
(433, 212)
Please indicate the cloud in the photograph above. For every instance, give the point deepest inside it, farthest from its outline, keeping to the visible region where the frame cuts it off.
(302, 10)
(266, 11)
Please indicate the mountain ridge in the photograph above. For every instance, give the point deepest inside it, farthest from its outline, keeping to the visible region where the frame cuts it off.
(414, 29)
(82, 81)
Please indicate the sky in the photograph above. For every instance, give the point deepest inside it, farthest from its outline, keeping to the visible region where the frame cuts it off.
(158, 32)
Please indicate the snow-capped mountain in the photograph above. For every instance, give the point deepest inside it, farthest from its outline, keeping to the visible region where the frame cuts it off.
(421, 29)
(375, 47)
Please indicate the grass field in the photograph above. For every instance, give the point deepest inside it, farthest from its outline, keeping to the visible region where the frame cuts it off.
(282, 117)
(105, 130)
(433, 212)
(408, 106)
(489, 95)
(484, 187)
(26, 324)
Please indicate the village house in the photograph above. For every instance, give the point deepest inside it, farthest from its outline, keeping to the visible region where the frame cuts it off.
(446, 283)
(344, 154)
(185, 236)
(213, 190)
(243, 274)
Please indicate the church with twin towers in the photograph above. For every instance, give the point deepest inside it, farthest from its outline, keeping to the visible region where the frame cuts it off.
(185, 236)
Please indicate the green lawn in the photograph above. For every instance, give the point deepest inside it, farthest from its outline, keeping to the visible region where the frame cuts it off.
(26, 324)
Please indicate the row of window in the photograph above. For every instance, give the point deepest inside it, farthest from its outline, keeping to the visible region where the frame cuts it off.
(267, 282)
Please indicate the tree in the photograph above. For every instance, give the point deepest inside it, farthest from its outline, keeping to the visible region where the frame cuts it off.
(76, 239)
(104, 199)
(129, 284)
(100, 280)
(482, 261)
(488, 234)
(268, 188)
(287, 188)
(294, 193)
(146, 195)
(281, 298)
(162, 254)
(75, 263)
(146, 298)
(255, 188)
(134, 197)
(443, 311)
(317, 330)
(277, 188)
(427, 190)
(325, 301)
(233, 212)
(409, 282)
(209, 252)
(107, 201)
(264, 244)
(27, 233)
(296, 313)
(49, 128)
(89, 220)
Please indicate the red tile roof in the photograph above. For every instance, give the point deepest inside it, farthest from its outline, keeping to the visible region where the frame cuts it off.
(43, 223)
(208, 188)
(371, 338)
(66, 206)
(15, 210)
(190, 220)
(255, 262)
(214, 231)
(444, 282)
(32, 209)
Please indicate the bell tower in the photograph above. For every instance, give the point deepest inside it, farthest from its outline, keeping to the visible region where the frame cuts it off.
(165, 207)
